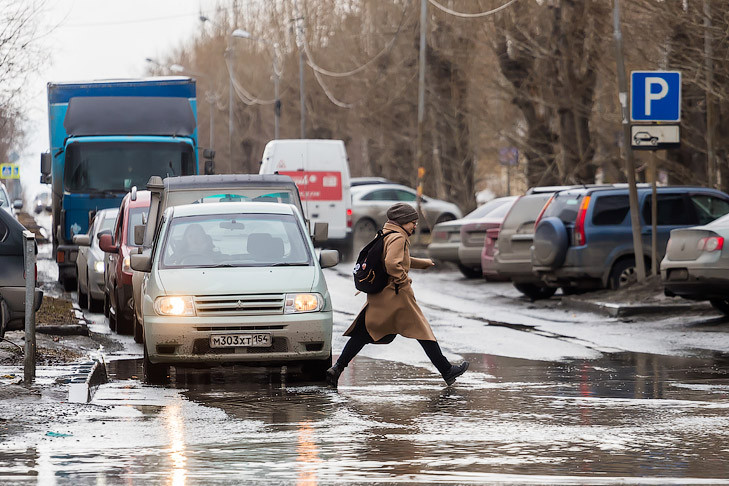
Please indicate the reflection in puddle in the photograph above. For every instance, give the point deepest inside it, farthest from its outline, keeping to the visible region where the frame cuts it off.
(643, 417)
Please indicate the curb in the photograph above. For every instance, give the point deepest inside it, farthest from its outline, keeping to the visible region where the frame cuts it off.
(63, 329)
(83, 385)
(625, 310)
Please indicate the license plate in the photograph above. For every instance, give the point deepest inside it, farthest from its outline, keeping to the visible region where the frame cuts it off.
(258, 340)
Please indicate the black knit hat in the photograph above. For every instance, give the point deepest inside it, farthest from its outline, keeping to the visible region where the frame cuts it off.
(402, 213)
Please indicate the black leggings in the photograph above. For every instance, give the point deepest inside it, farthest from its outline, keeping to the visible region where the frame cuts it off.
(360, 337)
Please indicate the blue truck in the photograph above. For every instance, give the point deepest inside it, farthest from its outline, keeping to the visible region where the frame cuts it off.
(106, 137)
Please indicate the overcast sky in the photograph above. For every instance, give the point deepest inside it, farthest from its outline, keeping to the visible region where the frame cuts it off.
(93, 39)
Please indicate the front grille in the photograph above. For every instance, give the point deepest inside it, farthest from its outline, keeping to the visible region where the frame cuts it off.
(202, 346)
(239, 305)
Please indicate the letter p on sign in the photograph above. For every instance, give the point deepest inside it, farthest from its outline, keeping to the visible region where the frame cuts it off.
(655, 96)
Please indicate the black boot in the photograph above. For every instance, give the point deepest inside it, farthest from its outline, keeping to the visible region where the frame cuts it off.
(333, 375)
(453, 373)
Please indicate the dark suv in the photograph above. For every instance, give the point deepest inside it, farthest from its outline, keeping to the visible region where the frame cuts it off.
(583, 238)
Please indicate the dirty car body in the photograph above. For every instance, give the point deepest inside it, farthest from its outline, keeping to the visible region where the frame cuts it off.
(248, 290)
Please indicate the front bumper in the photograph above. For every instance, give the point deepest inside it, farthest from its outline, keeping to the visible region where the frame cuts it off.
(96, 285)
(295, 337)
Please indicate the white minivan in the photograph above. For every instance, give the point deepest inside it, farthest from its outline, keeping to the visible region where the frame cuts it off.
(321, 171)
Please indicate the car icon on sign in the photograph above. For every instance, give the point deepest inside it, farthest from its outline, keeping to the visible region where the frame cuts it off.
(643, 138)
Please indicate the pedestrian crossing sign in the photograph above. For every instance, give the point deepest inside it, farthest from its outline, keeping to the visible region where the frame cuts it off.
(9, 171)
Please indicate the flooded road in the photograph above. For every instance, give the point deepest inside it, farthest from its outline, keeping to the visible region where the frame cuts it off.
(626, 417)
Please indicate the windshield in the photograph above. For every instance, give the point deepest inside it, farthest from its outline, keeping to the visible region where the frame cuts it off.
(235, 240)
(280, 197)
(137, 217)
(117, 166)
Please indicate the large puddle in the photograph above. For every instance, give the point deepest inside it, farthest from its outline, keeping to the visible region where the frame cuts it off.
(624, 418)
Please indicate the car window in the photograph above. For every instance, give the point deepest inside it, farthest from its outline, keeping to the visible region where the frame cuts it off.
(525, 211)
(278, 196)
(673, 210)
(708, 208)
(4, 231)
(406, 196)
(484, 209)
(381, 195)
(137, 217)
(610, 210)
(238, 240)
(499, 212)
(4, 201)
(565, 207)
(118, 227)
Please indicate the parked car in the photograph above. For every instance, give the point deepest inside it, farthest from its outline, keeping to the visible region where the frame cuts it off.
(473, 236)
(512, 255)
(584, 239)
(11, 208)
(42, 202)
(370, 204)
(12, 275)
(176, 191)
(119, 246)
(446, 236)
(90, 265)
(696, 265)
(235, 283)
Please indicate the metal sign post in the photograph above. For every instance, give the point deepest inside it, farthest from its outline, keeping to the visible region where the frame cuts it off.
(30, 347)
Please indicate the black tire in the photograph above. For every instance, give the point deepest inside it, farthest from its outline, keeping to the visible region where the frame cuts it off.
(622, 274)
(106, 304)
(550, 243)
(317, 369)
(4, 317)
(154, 373)
(470, 272)
(83, 298)
(124, 325)
(138, 331)
(722, 305)
(535, 292)
(363, 232)
(69, 284)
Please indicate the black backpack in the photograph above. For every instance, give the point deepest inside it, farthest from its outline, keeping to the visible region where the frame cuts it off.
(370, 275)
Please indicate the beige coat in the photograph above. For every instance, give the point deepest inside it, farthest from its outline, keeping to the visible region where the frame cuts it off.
(391, 313)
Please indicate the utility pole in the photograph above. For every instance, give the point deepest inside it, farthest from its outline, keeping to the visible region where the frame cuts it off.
(299, 43)
(629, 164)
(421, 108)
(229, 53)
(713, 176)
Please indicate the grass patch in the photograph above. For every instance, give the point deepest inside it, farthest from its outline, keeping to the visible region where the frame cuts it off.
(55, 311)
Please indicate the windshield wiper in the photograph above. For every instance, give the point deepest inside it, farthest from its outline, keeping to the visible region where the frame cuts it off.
(289, 264)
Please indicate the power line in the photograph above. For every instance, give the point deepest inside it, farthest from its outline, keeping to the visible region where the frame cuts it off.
(313, 65)
(245, 96)
(469, 15)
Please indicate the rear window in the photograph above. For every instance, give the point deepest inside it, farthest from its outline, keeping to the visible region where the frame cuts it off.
(482, 211)
(610, 210)
(565, 207)
(525, 211)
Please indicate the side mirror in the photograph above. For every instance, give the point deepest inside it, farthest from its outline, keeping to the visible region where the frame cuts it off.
(321, 232)
(139, 234)
(18, 204)
(46, 163)
(82, 240)
(328, 258)
(102, 233)
(140, 262)
(107, 245)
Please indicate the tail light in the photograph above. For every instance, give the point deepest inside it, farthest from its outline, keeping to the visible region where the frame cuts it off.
(349, 218)
(712, 243)
(541, 213)
(579, 232)
(60, 256)
(492, 235)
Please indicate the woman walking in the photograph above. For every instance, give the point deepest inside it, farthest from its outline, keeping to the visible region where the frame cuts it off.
(394, 310)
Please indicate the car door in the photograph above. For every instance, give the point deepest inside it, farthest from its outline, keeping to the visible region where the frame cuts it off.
(675, 210)
(376, 203)
(82, 260)
(113, 258)
(12, 264)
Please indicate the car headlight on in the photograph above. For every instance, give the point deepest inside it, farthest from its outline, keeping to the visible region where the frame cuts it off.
(99, 267)
(126, 265)
(297, 303)
(174, 305)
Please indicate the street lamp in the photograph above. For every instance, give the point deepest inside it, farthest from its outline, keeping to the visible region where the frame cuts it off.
(242, 34)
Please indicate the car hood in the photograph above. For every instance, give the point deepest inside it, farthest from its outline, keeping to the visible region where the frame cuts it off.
(238, 280)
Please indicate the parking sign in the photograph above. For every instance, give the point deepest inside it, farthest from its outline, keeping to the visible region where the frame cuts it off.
(655, 96)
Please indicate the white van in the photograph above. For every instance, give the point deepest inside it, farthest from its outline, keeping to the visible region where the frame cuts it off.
(321, 171)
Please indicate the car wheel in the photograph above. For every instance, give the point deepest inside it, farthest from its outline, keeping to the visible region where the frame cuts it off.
(470, 272)
(4, 317)
(83, 298)
(124, 325)
(106, 304)
(535, 292)
(317, 369)
(138, 331)
(68, 283)
(364, 231)
(622, 274)
(722, 305)
(154, 372)
(550, 243)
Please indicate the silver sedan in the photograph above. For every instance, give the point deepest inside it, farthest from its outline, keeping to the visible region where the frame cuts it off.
(90, 261)
(696, 265)
(370, 203)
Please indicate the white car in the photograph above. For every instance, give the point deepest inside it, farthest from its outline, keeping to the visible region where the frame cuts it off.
(235, 282)
(90, 261)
